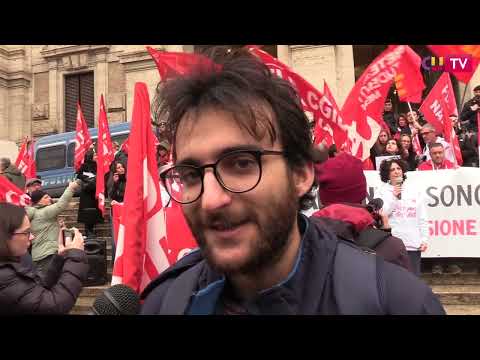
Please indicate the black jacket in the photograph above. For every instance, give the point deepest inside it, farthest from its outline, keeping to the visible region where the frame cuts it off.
(118, 189)
(469, 148)
(468, 115)
(191, 286)
(22, 291)
(391, 121)
(88, 212)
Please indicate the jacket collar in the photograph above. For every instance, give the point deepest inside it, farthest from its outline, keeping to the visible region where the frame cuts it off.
(305, 282)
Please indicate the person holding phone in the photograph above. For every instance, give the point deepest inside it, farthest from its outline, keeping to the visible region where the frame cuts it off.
(43, 215)
(22, 289)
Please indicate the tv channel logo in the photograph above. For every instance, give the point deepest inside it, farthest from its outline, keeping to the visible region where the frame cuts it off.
(449, 63)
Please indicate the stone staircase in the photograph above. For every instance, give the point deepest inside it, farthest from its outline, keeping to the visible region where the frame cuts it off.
(460, 294)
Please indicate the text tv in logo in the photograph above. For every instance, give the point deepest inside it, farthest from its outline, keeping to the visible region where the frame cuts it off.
(449, 63)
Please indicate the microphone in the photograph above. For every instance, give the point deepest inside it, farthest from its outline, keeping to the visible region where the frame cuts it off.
(398, 181)
(374, 205)
(117, 300)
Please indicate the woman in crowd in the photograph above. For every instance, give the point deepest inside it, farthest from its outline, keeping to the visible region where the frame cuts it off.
(22, 290)
(88, 212)
(119, 183)
(405, 209)
(379, 147)
(402, 127)
(407, 153)
(392, 148)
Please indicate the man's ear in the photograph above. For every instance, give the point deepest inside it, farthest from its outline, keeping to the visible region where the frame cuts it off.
(303, 177)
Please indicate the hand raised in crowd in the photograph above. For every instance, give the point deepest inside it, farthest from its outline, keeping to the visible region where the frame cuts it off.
(115, 177)
(474, 107)
(76, 243)
(423, 247)
(74, 186)
(397, 190)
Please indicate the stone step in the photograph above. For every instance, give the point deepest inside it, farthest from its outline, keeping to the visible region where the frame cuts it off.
(471, 278)
(458, 294)
(462, 309)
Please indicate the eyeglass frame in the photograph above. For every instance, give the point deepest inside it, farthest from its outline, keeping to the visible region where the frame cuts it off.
(23, 233)
(426, 132)
(258, 153)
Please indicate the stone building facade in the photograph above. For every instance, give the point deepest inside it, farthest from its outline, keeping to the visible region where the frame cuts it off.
(32, 79)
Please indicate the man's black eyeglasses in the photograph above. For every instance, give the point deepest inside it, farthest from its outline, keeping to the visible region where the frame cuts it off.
(238, 171)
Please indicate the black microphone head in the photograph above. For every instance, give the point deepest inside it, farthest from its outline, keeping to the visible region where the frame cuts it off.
(375, 204)
(117, 300)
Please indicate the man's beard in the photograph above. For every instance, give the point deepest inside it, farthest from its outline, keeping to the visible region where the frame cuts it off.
(273, 230)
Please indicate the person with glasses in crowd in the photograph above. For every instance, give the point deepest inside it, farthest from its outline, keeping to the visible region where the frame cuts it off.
(22, 289)
(243, 171)
(429, 135)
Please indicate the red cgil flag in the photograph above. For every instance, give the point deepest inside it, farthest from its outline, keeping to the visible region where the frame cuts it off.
(141, 244)
(364, 105)
(25, 161)
(171, 63)
(437, 107)
(10, 193)
(339, 134)
(105, 155)
(466, 64)
(83, 141)
(409, 80)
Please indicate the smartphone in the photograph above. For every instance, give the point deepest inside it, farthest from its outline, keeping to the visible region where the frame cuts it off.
(67, 236)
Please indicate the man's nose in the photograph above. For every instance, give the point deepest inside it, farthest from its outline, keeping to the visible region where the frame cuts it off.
(214, 195)
(31, 237)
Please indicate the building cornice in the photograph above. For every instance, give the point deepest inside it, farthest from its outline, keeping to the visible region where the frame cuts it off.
(72, 49)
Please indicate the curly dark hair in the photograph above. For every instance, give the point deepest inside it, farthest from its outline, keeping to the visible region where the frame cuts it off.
(245, 88)
(11, 218)
(387, 164)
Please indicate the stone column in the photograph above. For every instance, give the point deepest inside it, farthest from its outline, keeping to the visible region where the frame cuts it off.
(345, 72)
(54, 116)
(4, 123)
(101, 82)
(283, 54)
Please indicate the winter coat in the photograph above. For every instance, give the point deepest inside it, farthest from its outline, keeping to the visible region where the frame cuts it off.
(469, 148)
(348, 221)
(118, 189)
(468, 115)
(88, 212)
(192, 286)
(44, 225)
(22, 291)
(391, 121)
(15, 176)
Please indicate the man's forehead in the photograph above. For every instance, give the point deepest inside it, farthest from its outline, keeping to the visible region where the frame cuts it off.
(209, 133)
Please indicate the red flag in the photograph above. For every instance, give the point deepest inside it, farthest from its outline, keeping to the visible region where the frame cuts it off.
(10, 193)
(437, 107)
(416, 145)
(171, 63)
(339, 134)
(328, 121)
(409, 79)
(478, 135)
(25, 161)
(105, 155)
(83, 141)
(364, 105)
(180, 240)
(471, 51)
(141, 248)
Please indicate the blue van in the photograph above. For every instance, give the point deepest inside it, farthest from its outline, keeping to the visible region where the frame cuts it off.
(54, 156)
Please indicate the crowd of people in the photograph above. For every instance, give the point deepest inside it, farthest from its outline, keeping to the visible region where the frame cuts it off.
(410, 138)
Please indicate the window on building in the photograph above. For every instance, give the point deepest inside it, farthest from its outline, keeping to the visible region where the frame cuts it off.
(70, 154)
(79, 88)
(50, 158)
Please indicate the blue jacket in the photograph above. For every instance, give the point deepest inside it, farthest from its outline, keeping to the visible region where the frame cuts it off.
(321, 282)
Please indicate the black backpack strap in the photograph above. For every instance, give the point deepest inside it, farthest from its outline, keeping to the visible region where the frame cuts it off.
(358, 288)
(179, 293)
(370, 237)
